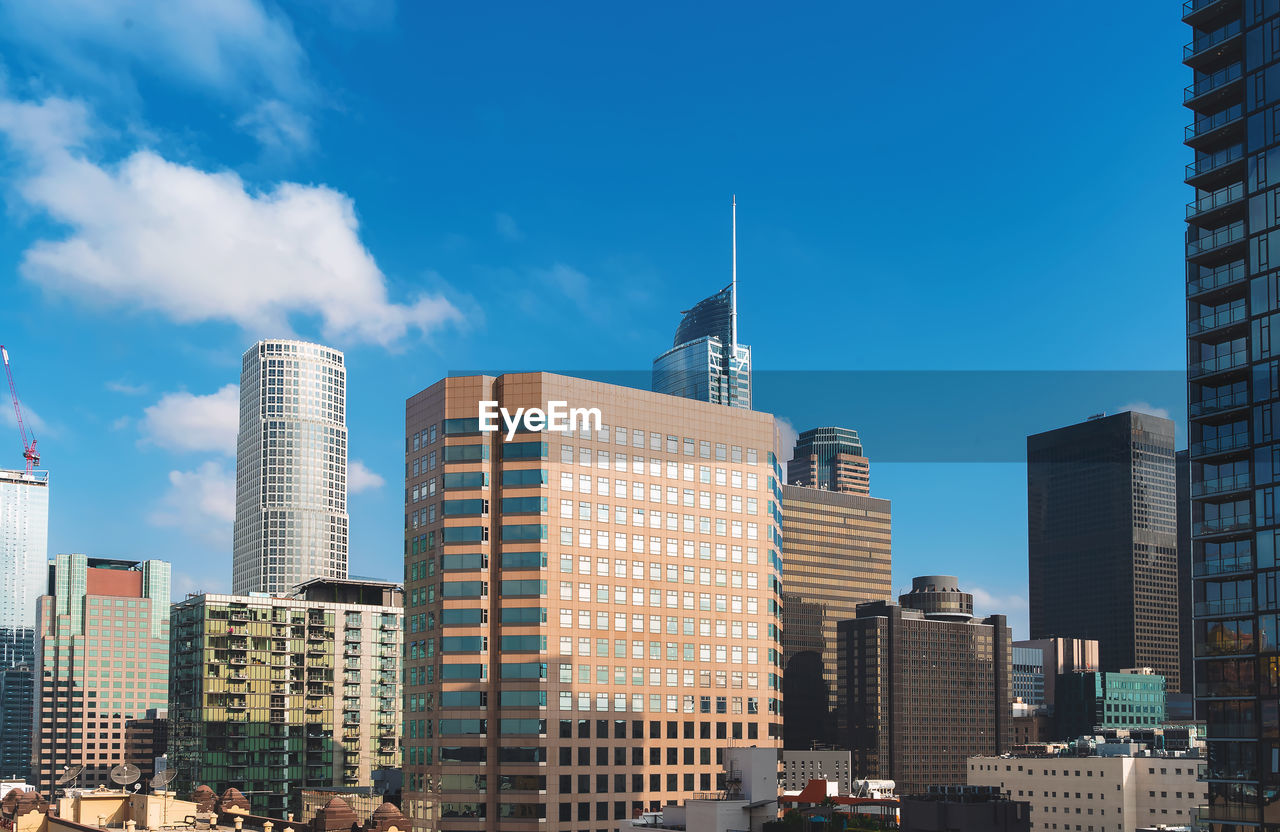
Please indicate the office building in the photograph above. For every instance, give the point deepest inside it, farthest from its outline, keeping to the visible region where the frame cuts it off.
(1038, 662)
(837, 548)
(291, 468)
(17, 703)
(705, 361)
(102, 659)
(1119, 792)
(923, 686)
(748, 801)
(1102, 535)
(593, 613)
(964, 809)
(1091, 701)
(145, 739)
(270, 694)
(830, 458)
(1232, 393)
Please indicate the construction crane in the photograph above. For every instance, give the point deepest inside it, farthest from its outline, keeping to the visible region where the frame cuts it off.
(29, 452)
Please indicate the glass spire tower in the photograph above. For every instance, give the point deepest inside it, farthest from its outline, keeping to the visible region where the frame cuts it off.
(706, 362)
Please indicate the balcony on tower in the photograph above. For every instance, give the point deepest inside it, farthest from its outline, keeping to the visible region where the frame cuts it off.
(1214, 48)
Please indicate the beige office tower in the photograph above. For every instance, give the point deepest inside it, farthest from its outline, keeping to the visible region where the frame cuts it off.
(838, 551)
(592, 614)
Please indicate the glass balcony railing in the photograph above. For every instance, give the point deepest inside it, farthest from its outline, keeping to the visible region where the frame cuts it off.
(1192, 6)
(1220, 444)
(1215, 161)
(1217, 80)
(1226, 606)
(1209, 279)
(1222, 363)
(1222, 566)
(1215, 239)
(1220, 485)
(1222, 401)
(1210, 39)
(1223, 196)
(1231, 315)
(1208, 124)
(1238, 523)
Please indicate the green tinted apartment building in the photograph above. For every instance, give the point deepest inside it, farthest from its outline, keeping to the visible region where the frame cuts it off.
(272, 694)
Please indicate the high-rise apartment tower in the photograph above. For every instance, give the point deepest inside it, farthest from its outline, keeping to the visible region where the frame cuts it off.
(1233, 371)
(291, 468)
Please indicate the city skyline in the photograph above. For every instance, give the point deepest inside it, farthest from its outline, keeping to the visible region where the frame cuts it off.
(633, 242)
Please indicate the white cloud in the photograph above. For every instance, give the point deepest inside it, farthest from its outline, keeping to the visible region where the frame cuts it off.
(787, 436)
(186, 422)
(202, 502)
(202, 246)
(1145, 407)
(36, 425)
(1013, 606)
(277, 125)
(125, 388)
(239, 51)
(360, 478)
(507, 228)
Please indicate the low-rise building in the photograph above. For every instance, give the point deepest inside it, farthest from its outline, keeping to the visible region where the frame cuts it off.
(964, 809)
(799, 767)
(749, 800)
(1116, 792)
(1132, 698)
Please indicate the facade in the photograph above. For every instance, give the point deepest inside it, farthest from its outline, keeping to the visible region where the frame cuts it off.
(1113, 793)
(1128, 699)
(706, 362)
(145, 739)
(1186, 627)
(271, 694)
(923, 686)
(1038, 662)
(964, 809)
(24, 541)
(1232, 394)
(102, 659)
(1102, 535)
(291, 468)
(837, 548)
(799, 767)
(17, 705)
(830, 458)
(748, 801)
(592, 614)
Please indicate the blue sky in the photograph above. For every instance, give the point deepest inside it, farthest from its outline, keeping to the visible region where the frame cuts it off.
(509, 185)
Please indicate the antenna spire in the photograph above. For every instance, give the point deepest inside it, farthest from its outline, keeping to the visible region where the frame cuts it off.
(733, 290)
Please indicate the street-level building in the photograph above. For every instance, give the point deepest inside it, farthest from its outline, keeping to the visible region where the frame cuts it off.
(593, 614)
(1100, 793)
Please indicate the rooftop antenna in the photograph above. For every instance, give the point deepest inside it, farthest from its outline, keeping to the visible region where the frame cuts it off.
(733, 291)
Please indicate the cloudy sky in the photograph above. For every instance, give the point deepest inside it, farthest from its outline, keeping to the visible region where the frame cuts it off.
(436, 187)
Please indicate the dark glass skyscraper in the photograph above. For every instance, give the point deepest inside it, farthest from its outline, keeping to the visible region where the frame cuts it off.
(1102, 539)
(1233, 296)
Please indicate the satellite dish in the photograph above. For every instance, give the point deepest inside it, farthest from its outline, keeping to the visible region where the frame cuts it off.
(163, 778)
(125, 773)
(70, 775)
